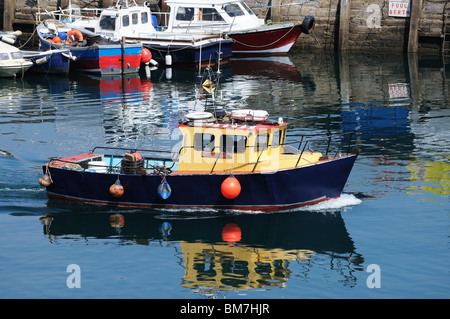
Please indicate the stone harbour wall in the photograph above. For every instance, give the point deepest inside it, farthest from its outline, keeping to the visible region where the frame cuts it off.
(370, 26)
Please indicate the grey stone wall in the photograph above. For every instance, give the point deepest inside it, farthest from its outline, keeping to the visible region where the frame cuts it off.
(370, 26)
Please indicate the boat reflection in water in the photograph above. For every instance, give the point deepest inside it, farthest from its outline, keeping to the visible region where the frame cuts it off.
(235, 252)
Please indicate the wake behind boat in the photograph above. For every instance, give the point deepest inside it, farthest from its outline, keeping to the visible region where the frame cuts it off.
(234, 161)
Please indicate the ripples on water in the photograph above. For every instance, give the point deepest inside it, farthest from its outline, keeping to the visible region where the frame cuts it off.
(400, 182)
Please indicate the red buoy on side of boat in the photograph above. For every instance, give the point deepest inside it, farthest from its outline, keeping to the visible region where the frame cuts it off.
(45, 180)
(231, 187)
(116, 189)
(146, 55)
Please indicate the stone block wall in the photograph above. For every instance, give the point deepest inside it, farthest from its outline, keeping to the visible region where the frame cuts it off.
(370, 26)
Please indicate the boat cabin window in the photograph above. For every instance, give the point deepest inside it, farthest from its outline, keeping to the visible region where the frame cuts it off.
(16, 55)
(209, 14)
(126, 20)
(262, 142)
(185, 14)
(144, 17)
(247, 8)
(134, 18)
(233, 10)
(204, 142)
(276, 138)
(233, 143)
(107, 23)
(4, 56)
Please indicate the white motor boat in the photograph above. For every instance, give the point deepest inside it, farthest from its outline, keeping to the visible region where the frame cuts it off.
(12, 61)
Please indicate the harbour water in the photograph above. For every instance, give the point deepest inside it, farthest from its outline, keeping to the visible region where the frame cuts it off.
(385, 237)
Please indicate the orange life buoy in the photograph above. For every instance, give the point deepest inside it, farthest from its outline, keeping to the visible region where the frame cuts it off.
(73, 36)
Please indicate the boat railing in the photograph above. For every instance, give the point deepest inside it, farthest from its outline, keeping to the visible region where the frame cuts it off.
(343, 148)
(305, 144)
(148, 155)
(69, 14)
(128, 149)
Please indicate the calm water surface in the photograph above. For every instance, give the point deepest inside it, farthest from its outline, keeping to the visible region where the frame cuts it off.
(394, 213)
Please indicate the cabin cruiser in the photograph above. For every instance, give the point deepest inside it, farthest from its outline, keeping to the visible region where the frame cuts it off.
(12, 61)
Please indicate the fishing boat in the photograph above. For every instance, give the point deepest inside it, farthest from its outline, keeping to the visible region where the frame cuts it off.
(93, 54)
(238, 160)
(136, 23)
(233, 18)
(50, 61)
(12, 62)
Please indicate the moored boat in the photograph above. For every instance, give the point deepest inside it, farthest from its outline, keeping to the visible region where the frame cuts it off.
(232, 161)
(233, 18)
(136, 23)
(50, 62)
(12, 62)
(93, 54)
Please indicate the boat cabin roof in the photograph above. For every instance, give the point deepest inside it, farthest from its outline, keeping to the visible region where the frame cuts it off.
(9, 52)
(238, 120)
(6, 48)
(138, 18)
(219, 15)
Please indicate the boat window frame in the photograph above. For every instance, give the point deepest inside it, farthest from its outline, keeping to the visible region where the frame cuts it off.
(261, 145)
(127, 20)
(234, 12)
(134, 18)
(189, 15)
(237, 148)
(107, 22)
(210, 16)
(201, 138)
(4, 55)
(144, 17)
(16, 55)
(276, 138)
(247, 8)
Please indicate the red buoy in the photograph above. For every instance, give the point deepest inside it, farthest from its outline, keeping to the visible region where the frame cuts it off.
(231, 187)
(56, 40)
(146, 55)
(116, 189)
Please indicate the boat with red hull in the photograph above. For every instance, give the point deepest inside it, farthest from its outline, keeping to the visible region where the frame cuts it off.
(276, 41)
(229, 161)
(233, 18)
(91, 53)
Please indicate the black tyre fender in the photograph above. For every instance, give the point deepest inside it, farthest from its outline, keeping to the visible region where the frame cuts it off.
(308, 24)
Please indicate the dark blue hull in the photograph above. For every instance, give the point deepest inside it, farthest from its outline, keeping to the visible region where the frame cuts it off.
(281, 190)
(57, 62)
(191, 54)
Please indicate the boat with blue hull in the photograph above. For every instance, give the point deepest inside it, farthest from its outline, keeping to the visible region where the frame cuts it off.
(92, 53)
(49, 62)
(230, 161)
(137, 23)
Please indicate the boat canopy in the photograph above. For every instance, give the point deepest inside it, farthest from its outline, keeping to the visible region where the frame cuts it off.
(9, 52)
